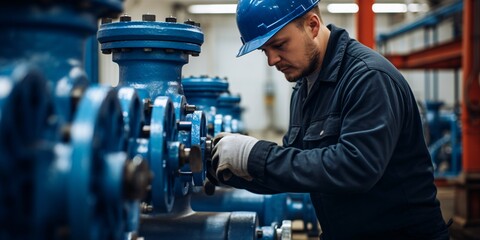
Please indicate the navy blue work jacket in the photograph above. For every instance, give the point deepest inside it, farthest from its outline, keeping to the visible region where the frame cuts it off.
(356, 144)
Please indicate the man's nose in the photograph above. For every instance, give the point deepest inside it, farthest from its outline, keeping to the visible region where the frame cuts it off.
(272, 58)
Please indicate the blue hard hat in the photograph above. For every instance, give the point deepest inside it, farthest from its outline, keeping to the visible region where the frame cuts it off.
(259, 20)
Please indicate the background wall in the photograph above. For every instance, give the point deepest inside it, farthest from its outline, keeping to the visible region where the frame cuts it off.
(251, 77)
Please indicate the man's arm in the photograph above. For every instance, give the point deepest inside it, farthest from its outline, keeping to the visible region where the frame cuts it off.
(371, 122)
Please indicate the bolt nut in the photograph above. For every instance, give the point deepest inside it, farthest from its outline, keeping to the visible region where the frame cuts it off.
(146, 208)
(184, 125)
(209, 144)
(259, 233)
(190, 108)
(136, 178)
(208, 187)
(171, 19)
(148, 17)
(125, 18)
(107, 51)
(106, 20)
(286, 230)
(190, 22)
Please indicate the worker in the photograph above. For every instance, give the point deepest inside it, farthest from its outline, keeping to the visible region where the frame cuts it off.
(355, 140)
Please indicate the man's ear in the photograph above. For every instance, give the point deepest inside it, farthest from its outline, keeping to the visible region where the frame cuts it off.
(313, 24)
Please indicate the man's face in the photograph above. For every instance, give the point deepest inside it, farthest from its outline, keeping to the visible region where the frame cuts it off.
(292, 52)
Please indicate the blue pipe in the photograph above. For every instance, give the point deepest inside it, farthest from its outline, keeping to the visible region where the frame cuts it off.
(433, 18)
(228, 105)
(270, 208)
(183, 223)
(43, 34)
(150, 56)
(74, 181)
(444, 140)
(204, 92)
(91, 59)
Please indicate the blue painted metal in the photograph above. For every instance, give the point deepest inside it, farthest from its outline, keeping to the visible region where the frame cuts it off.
(212, 226)
(186, 224)
(132, 112)
(25, 138)
(97, 159)
(45, 36)
(163, 156)
(70, 161)
(432, 19)
(66, 160)
(271, 209)
(228, 105)
(275, 231)
(222, 108)
(91, 59)
(198, 138)
(212, 93)
(444, 140)
(203, 92)
(150, 56)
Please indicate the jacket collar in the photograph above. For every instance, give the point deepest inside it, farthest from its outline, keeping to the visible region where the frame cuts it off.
(336, 46)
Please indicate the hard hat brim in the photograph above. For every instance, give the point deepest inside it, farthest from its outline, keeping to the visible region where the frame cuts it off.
(261, 40)
(258, 42)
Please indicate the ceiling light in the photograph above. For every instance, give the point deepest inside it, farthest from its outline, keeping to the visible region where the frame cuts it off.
(212, 8)
(342, 8)
(389, 8)
(416, 7)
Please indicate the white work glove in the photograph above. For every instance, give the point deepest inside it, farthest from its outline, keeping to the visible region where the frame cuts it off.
(231, 152)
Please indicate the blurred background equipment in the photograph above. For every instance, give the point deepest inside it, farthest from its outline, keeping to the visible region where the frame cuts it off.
(102, 136)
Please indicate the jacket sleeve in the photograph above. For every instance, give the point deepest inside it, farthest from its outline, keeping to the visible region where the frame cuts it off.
(254, 186)
(371, 121)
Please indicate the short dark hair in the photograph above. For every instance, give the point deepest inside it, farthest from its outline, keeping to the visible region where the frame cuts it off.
(299, 21)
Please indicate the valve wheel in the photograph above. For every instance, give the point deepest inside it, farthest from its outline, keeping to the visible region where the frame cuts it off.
(162, 131)
(199, 136)
(26, 132)
(95, 200)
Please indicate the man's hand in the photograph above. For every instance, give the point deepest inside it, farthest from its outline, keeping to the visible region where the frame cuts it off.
(231, 153)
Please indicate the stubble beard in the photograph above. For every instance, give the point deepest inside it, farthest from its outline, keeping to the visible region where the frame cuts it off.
(313, 56)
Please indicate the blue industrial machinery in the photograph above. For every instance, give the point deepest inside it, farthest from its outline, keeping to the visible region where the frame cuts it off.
(443, 134)
(75, 157)
(271, 209)
(187, 224)
(212, 95)
(64, 171)
(224, 114)
(228, 105)
(168, 132)
(150, 56)
(432, 19)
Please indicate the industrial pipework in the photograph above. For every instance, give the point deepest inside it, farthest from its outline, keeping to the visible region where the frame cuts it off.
(224, 114)
(170, 133)
(211, 94)
(64, 171)
(150, 55)
(444, 140)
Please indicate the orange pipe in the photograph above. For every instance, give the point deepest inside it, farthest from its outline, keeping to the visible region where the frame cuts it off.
(471, 93)
(365, 23)
(442, 56)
